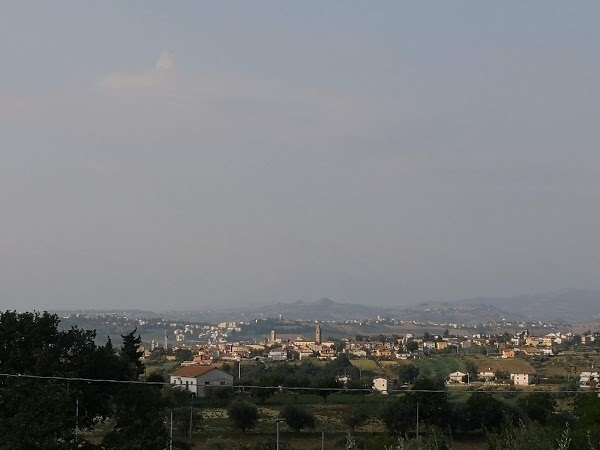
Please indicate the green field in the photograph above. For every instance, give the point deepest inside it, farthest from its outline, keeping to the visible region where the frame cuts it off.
(367, 365)
(439, 367)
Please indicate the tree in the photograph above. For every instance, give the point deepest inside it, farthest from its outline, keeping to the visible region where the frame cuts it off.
(398, 415)
(39, 414)
(326, 386)
(355, 418)
(472, 370)
(412, 346)
(298, 418)
(155, 377)
(138, 432)
(485, 411)
(220, 394)
(538, 406)
(181, 419)
(131, 354)
(407, 373)
(341, 366)
(432, 397)
(139, 409)
(243, 414)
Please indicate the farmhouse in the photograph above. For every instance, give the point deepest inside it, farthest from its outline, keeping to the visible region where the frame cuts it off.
(197, 379)
(382, 385)
(521, 379)
(457, 377)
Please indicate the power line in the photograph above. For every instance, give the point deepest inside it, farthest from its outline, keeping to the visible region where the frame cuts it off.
(284, 388)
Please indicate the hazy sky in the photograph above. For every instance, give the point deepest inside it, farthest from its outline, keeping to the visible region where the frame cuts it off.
(191, 154)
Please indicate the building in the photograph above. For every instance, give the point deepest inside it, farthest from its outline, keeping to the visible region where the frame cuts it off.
(589, 378)
(383, 353)
(458, 377)
(441, 345)
(508, 353)
(197, 379)
(521, 379)
(278, 354)
(382, 385)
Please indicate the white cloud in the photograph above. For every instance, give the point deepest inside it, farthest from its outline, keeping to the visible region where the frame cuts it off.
(165, 62)
(162, 75)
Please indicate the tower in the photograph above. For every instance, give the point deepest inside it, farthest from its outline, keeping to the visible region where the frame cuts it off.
(273, 335)
(318, 334)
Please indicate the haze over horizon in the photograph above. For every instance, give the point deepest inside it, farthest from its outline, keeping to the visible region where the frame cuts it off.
(171, 156)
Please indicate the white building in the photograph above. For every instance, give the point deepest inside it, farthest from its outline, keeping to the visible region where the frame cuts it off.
(278, 355)
(521, 379)
(457, 377)
(197, 379)
(589, 378)
(382, 385)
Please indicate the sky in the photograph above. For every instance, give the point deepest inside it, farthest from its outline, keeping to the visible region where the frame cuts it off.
(192, 155)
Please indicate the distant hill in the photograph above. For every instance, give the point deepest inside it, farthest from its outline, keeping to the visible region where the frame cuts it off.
(329, 310)
(570, 306)
(323, 309)
(573, 305)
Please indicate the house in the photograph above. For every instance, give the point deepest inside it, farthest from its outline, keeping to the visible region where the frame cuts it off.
(508, 353)
(196, 379)
(383, 385)
(278, 354)
(531, 351)
(487, 374)
(202, 358)
(428, 345)
(382, 353)
(589, 378)
(441, 345)
(457, 377)
(327, 353)
(521, 379)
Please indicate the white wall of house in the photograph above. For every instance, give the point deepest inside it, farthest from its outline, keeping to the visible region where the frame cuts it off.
(381, 385)
(197, 385)
(521, 379)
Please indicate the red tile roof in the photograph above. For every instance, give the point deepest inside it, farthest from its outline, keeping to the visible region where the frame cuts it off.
(192, 371)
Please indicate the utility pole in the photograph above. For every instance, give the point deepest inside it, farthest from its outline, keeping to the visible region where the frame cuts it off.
(322, 439)
(191, 413)
(76, 415)
(171, 438)
(277, 421)
(417, 419)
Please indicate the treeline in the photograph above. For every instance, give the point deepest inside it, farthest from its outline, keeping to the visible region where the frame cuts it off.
(324, 380)
(49, 413)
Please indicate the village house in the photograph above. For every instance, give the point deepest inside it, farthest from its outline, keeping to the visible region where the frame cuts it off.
(382, 352)
(458, 377)
(197, 379)
(589, 378)
(508, 353)
(521, 379)
(382, 385)
(441, 345)
(278, 354)
(202, 358)
(487, 374)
